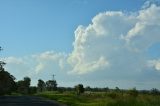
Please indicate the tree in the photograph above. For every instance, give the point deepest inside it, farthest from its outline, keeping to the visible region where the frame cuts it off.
(21, 87)
(32, 89)
(7, 83)
(106, 89)
(133, 92)
(88, 88)
(79, 89)
(117, 89)
(41, 85)
(51, 85)
(27, 81)
(155, 91)
(24, 85)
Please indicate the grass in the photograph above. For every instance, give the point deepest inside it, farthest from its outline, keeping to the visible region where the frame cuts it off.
(102, 99)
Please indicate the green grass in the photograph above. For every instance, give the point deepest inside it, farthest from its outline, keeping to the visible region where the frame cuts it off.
(102, 99)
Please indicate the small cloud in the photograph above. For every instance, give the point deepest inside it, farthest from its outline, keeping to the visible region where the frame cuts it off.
(13, 60)
(39, 67)
(47, 59)
(148, 3)
(36, 64)
(154, 64)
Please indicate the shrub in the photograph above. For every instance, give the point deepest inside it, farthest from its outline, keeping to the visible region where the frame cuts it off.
(133, 92)
(155, 91)
(112, 95)
(79, 89)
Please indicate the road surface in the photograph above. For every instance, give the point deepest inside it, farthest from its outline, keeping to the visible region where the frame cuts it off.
(26, 101)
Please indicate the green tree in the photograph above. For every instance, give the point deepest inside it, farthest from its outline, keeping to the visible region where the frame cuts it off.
(32, 89)
(79, 89)
(27, 81)
(88, 88)
(41, 85)
(155, 91)
(51, 85)
(133, 92)
(7, 83)
(23, 86)
(117, 89)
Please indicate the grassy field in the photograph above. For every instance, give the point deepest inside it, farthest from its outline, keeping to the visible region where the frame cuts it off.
(103, 99)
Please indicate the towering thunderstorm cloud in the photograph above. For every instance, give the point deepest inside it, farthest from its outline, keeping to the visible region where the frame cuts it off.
(114, 41)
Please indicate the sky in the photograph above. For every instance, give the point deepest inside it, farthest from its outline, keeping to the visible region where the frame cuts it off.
(106, 43)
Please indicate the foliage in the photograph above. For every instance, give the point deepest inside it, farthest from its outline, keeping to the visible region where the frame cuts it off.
(7, 83)
(79, 89)
(41, 85)
(155, 91)
(117, 89)
(88, 88)
(27, 81)
(51, 85)
(102, 99)
(23, 86)
(112, 95)
(133, 92)
(32, 90)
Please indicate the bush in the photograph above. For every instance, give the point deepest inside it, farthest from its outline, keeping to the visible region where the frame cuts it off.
(7, 83)
(133, 92)
(79, 89)
(33, 90)
(155, 91)
(112, 95)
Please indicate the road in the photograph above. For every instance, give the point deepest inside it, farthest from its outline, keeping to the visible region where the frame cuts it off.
(26, 101)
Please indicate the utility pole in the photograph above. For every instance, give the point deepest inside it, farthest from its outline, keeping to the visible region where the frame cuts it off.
(53, 76)
(1, 48)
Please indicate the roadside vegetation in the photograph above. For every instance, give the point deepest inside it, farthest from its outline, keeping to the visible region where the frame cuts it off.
(100, 97)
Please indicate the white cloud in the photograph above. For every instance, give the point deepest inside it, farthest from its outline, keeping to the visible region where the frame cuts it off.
(39, 67)
(18, 66)
(154, 64)
(114, 43)
(48, 55)
(83, 68)
(47, 59)
(99, 39)
(148, 3)
(13, 60)
(122, 39)
(35, 65)
(146, 30)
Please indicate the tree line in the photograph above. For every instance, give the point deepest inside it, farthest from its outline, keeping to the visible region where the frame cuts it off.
(9, 85)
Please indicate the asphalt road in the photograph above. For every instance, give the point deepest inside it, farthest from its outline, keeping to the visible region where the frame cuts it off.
(26, 101)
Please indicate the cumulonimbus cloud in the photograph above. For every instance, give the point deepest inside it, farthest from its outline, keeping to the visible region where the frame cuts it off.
(122, 39)
(114, 41)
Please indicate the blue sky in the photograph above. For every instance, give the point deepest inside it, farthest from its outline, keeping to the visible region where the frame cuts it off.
(49, 25)
(105, 43)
